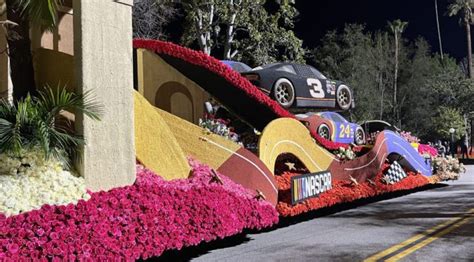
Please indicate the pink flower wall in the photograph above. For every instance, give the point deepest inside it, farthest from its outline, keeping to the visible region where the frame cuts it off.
(138, 221)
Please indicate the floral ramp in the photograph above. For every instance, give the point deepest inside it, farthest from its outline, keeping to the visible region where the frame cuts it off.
(227, 86)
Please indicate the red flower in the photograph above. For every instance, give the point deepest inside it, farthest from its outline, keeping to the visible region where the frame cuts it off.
(342, 191)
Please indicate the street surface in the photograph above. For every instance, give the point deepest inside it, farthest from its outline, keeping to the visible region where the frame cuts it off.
(430, 225)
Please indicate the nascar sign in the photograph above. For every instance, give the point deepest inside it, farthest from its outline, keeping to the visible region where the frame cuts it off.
(309, 186)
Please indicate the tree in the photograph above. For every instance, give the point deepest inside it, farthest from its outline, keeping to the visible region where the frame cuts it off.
(438, 29)
(21, 13)
(242, 29)
(449, 118)
(364, 60)
(463, 8)
(150, 18)
(201, 19)
(270, 37)
(418, 101)
(396, 27)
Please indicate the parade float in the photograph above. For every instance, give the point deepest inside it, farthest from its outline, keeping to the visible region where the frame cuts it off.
(194, 185)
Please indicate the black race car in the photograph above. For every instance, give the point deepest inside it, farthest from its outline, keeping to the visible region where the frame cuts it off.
(300, 86)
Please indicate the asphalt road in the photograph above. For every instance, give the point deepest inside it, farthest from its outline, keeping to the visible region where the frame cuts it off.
(435, 221)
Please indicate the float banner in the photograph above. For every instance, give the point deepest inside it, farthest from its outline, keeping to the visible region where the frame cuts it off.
(309, 186)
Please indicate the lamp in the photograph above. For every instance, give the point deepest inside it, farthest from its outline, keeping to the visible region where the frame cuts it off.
(453, 146)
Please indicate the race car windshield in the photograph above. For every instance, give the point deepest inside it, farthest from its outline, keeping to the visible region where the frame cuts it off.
(338, 118)
(268, 65)
(241, 67)
(286, 68)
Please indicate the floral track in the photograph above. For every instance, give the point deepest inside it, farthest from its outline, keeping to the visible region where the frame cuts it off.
(342, 192)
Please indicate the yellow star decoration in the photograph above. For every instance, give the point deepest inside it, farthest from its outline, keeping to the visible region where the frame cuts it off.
(291, 166)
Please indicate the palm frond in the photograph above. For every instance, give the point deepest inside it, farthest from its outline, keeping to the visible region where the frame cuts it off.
(463, 8)
(41, 12)
(64, 146)
(43, 136)
(36, 122)
(53, 101)
(6, 135)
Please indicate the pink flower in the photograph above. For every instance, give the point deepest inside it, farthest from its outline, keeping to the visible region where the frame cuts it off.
(143, 219)
(13, 248)
(39, 232)
(54, 236)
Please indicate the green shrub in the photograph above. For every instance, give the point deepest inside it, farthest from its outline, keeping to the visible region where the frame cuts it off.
(37, 122)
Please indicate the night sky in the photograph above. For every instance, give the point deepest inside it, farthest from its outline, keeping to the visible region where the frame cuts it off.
(319, 16)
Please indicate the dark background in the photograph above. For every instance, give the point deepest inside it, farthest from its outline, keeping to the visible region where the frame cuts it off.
(319, 16)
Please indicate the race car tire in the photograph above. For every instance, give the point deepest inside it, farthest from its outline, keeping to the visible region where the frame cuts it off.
(359, 136)
(284, 93)
(324, 131)
(344, 97)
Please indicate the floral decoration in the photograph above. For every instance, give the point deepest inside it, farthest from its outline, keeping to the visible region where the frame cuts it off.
(372, 138)
(212, 64)
(409, 137)
(342, 191)
(427, 150)
(138, 221)
(447, 168)
(219, 127)
(30, 180)
(345, 153)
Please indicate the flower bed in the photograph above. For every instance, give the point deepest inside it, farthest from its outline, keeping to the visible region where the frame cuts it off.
(29, 181)
(138, 221)
(427, 150)
(341, 192)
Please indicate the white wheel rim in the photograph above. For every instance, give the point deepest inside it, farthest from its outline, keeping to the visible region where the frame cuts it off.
(344, 98)
(284, 94)
(323, 132)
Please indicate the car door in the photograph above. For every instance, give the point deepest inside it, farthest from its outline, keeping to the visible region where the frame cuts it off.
(344, 129)
(315, 92)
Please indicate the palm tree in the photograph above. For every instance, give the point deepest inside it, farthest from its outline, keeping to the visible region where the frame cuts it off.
(397, 27)
(439, 30)
(22, 13)
(463, 8)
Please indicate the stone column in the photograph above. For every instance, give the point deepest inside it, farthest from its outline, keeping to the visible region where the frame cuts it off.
(104, 65)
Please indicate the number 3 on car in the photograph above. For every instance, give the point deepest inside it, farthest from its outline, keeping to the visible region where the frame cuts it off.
(344, 131)
(316, 88)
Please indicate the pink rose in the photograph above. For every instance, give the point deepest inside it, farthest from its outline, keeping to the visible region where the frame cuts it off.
(39, 232)
(13, 248)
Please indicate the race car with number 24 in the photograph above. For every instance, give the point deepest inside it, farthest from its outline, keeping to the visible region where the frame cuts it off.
(332, 126)
(300, 86)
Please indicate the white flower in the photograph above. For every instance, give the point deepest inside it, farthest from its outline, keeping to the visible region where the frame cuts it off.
(29, 182)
